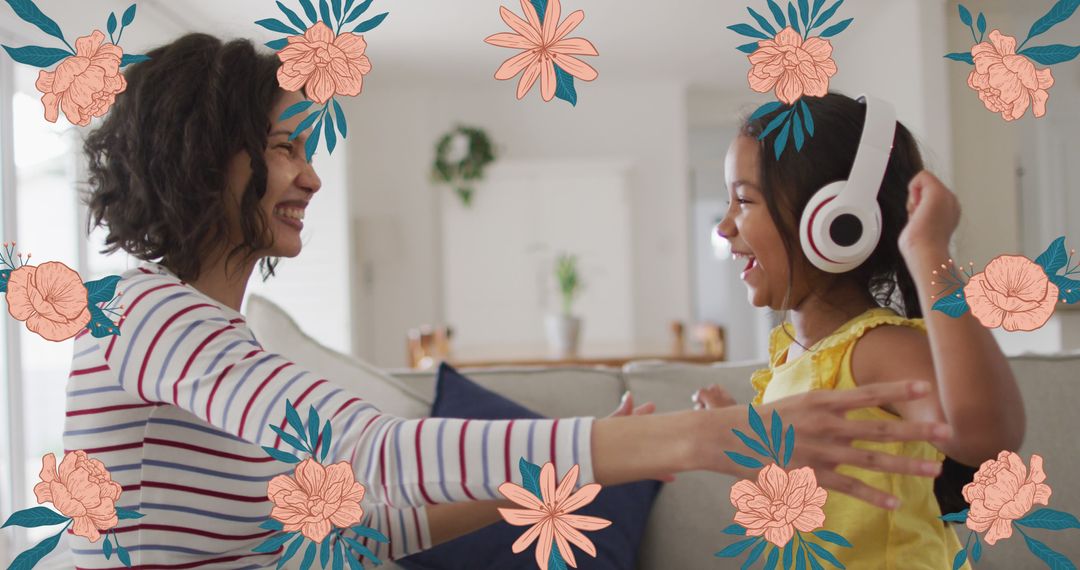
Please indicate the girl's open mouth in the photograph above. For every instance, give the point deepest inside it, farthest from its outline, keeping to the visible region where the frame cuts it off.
(751, 261)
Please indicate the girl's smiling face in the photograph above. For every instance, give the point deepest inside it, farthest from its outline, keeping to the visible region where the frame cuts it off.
(753, 234)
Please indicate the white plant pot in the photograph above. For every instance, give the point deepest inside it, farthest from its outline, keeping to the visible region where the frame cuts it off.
(563, 334)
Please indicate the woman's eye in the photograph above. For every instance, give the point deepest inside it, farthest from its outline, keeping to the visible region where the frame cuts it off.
(286, 146)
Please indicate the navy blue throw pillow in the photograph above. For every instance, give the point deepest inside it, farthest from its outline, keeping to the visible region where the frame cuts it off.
(626, 506)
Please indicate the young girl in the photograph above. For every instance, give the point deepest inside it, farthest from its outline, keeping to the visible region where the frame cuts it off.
(862, 328)
(193, 170)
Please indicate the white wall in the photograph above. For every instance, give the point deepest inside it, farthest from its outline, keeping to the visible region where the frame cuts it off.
(395, 208)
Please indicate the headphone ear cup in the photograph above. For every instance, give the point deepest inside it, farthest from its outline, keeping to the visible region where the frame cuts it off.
(834, 237)
(813, 237)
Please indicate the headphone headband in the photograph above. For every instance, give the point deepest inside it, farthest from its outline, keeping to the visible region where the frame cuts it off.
(871, 159)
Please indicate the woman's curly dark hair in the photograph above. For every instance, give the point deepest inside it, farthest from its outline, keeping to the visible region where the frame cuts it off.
(159, 161)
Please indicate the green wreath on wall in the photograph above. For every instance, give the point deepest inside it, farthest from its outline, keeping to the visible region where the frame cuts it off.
(461, 156)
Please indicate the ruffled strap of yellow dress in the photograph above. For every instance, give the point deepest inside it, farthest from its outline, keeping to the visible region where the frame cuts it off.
(828, 357)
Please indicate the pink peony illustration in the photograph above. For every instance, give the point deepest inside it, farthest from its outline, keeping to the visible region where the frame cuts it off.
(551, 518)
(792, 67)
(1012, 292)
(544, 47)
(84, 85)
(51, 298)
(82, 489)
(317, 499)
(324, 64)
(1003, 491)
(1008, 83)
(779, 503)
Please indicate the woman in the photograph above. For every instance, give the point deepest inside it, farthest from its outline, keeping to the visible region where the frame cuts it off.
(193, 168)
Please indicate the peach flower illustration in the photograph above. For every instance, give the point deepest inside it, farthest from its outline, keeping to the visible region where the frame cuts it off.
(545, 46)
(551, 518)
(1012, 292)
(1008, 83)
(324, 64)
(51, 298)
(82, 489)
(84, 85)
(779, 503)
(1004, 490)
(791, 66)
(318, 499)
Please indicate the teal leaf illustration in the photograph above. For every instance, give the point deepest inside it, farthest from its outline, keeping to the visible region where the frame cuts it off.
(281, 455)
(564, 86)
(748, 48)
(327, 436)
(29, 12)
(804, 10)
(275, 25)
(4, 276)
(370, 533)
(338, 561)
(129, 59)
(290, 439)
(324, 11)
(808, 121)
(124, 514)
(754, 555)
(530, 477)
(814, 564)
(129, 16)
(106, 548)
(837, 28)
(555, 560)
(976, 551)
(789, 549)
(774, 557)
(324, 551)
(777, 433)
(800, 137)
(354, 564)
(762, 21)
(336, 5)
(793, 18)
(30, 557)
(1049, 55)
(271, 524)
(965, 15)
(359, 11)
(361, 550)
(343, 126)
(758, 426)
(293, 418)
(291, 551)
(800, 558)
(961, 558)
(963, 56)
(277, 44)
(752, 444)
(825, 555)
(954, 304)
(102, 290)
(309, 11)
(111, 24)
(306, 124)
(743, 460)
(1057, 14)
(37, 56)
(828, 13)
(1049, 518)
(368, 25)
(35, 517)
(981, 23)
(736, 529)
(781, 141)
(736, 549)
(1068, 289)
(122, 554)
(296, 21)
(956, 517)
(789, 445)
(765, 109)
(331, 141)
(829, 536)
(1054, 258)
(295, 109)
(817, 7)
(274, 542)
(100, 326)
(774, 124)
(778, 14)
(313, 420)
(348, 6)
(748, 31)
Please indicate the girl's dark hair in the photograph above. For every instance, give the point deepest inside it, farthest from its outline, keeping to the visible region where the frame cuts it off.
(788, 183)
(158, 164)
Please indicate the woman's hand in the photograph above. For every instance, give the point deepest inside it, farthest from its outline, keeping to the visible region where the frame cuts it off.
(933, 216)
(712, 397)
(824, 436)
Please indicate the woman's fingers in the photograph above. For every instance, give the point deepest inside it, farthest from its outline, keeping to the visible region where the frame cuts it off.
(850, 486)
(626, 406)
(645, 409)
(872, 396)
(876, 461)
(886, 430)
(712, 397)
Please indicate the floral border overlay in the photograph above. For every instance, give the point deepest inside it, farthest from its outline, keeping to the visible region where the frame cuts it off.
(318, 523)
(1001, 494)
(770, 71)
(85, 495)
(1005, 76)
(1013, 291)
(773, 484)
(325, 62)
(548, 54)
(85, 83)
(53, 300)
(547, 512)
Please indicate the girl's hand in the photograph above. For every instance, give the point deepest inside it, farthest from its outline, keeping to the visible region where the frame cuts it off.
(712, 397)
(933, 215)
(626, 408)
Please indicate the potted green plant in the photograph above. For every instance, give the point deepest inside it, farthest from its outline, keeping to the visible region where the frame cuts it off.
(563, 328)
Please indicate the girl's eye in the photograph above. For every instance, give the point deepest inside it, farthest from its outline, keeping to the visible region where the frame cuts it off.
(742, 200)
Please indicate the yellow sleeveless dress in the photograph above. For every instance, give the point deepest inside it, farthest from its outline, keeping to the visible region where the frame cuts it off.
(909, 538)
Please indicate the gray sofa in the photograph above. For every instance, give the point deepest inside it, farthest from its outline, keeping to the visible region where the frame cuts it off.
(689, 514)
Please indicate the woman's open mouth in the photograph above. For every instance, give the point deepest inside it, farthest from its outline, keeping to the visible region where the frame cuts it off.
(290, 215)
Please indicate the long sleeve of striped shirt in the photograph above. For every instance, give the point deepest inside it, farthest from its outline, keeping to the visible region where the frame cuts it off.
(183, 361)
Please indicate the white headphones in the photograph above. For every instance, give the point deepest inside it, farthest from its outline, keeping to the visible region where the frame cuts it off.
(841, 225)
